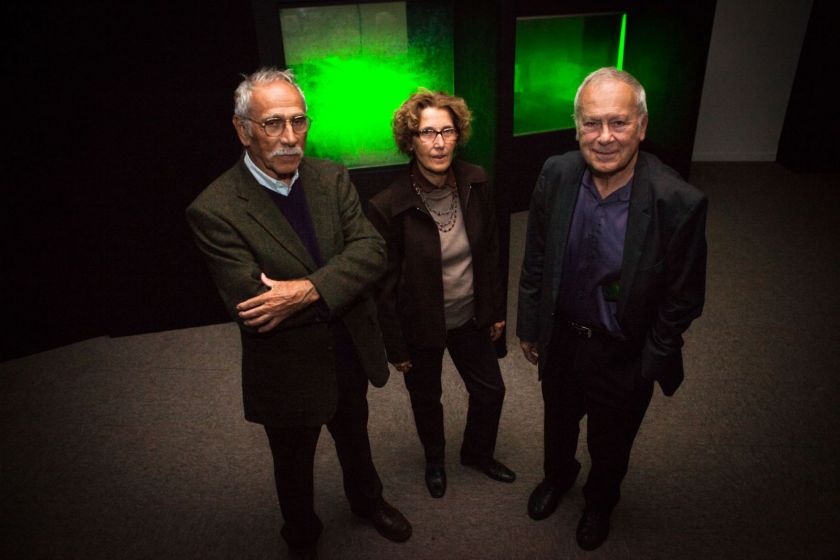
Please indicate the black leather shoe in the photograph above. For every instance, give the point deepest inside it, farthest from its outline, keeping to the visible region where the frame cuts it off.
(303, 553)
(544, 499)
(593, 529)
(436, 480)
(493, 469)
(390, 523)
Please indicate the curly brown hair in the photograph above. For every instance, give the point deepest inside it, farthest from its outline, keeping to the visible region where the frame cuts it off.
(406, 121)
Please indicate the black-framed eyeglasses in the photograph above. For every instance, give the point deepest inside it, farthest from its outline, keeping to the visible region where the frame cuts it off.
(429, 135)
(274, 126)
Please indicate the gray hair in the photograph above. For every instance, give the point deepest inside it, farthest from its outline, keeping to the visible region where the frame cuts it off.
(607, 74)
(266, 75)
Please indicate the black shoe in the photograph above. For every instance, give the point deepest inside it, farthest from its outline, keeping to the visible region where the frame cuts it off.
(593, 529)
(390, 523)
(545, 498)
(493, 469)
(303, 553)
(436, 480)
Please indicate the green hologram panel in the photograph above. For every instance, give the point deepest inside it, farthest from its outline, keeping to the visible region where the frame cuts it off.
(357, 63)
(553, 55)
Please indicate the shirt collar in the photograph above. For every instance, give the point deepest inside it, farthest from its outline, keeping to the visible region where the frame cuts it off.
(621, 195)
(272, 184)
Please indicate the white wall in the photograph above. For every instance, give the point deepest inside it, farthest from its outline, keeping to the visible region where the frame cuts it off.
(752, 62)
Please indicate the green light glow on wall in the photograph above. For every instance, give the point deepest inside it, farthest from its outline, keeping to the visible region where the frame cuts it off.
(553, 55)
(357, 64)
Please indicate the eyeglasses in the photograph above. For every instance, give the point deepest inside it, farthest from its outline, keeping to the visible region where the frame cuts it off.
(615, 126)
(274, 126)
(429, 135)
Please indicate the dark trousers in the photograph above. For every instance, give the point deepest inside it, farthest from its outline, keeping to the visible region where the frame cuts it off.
(474, 356)
(597, 377)
(293, 450)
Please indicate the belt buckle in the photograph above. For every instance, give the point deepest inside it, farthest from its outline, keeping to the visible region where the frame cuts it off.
(582, 330)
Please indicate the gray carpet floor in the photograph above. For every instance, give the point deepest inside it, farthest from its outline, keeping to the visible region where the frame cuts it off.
(136, 448)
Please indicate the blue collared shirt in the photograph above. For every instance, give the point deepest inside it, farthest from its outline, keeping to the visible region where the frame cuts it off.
(272, 184)
(593, 256)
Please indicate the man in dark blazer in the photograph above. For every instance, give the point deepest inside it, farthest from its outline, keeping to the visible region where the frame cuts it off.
(294, 260)
(613, 274)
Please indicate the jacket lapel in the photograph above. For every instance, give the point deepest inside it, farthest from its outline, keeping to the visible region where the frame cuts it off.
(260, 207)
(561, 214)
(638, 221)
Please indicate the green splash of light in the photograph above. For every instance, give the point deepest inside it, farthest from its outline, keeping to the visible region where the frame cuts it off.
(553, 55)
(620, 58)
(352, 102)
(357, 64)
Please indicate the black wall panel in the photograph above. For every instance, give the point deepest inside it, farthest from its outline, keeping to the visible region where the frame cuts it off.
(809, 135)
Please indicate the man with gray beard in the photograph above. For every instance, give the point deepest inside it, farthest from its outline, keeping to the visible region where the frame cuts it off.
(294, 259)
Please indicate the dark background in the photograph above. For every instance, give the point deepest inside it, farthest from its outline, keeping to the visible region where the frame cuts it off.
(120, 116)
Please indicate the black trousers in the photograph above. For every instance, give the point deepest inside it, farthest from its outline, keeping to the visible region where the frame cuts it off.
(293, 450)
(474, 356)
(597, 377)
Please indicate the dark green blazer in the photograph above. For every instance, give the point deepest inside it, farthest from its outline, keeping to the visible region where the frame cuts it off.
(663, 270)
(288, 374)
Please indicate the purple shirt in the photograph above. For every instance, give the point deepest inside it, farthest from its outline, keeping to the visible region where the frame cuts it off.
(592, 264)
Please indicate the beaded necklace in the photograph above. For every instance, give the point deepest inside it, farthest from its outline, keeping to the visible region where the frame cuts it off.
(451, 214)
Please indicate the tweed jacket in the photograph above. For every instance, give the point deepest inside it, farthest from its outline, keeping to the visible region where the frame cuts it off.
(411, 292)
(663, 271)
(288, 373)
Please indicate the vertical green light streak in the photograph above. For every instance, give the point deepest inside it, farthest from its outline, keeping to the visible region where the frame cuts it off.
(553, 55)
(620, 62)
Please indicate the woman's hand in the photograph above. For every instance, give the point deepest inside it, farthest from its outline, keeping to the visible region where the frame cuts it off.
(529, 349)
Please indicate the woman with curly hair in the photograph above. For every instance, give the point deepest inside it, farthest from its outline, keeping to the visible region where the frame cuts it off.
(443, 288)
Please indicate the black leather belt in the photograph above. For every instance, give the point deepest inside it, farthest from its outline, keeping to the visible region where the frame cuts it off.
(581, 330)
(585, 331)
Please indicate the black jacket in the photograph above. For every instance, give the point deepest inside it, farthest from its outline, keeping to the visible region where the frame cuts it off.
(411, 292)
(663, 271)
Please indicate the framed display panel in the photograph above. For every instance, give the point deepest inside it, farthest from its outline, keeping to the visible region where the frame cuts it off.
(552, 56)
(356, 64)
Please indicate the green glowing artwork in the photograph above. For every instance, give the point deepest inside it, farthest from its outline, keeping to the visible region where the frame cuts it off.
(553, 55)
(357, 63)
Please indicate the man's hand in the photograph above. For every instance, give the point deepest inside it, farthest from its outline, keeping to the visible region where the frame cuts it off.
(530, 351)
(403, 367)
(285, 298)
(496, 330)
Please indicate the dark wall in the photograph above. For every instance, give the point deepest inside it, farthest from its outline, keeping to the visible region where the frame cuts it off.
(182, 87)
(667, 47)
(809, 134)
(477, 71)
(120, 119)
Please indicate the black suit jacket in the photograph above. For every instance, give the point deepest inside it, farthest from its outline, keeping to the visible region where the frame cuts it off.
(663, 272)
(288, 373)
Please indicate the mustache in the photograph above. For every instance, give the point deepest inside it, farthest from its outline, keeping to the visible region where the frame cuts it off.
(296, 151)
